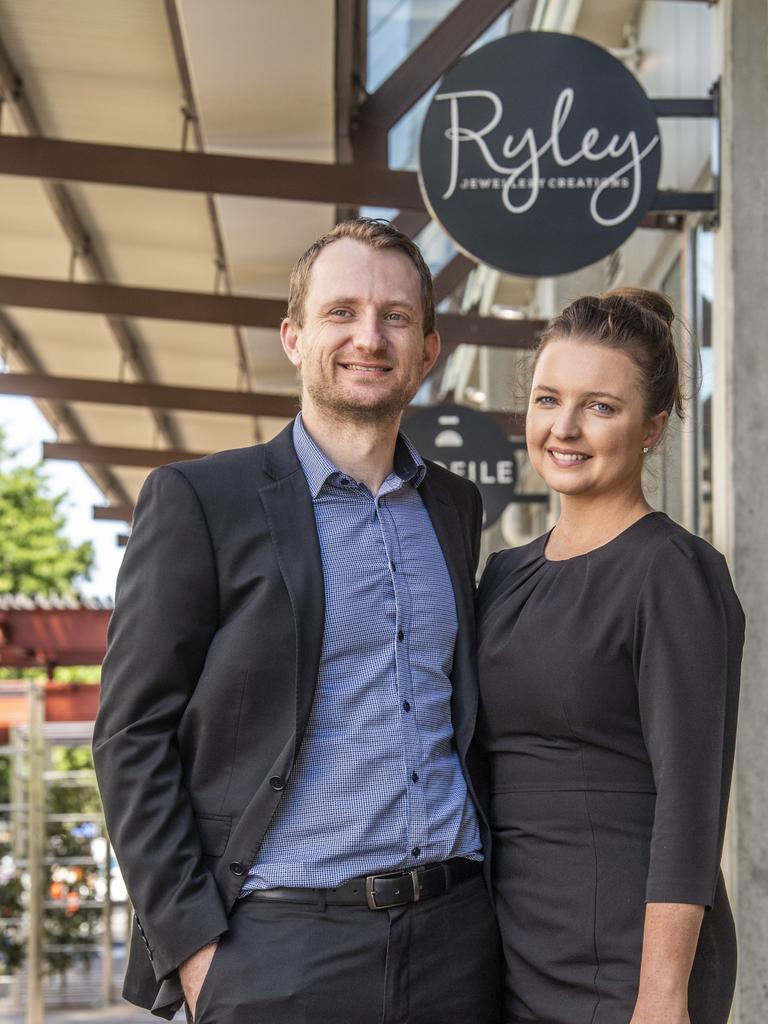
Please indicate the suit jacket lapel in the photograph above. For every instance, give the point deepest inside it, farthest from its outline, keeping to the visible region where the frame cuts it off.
(291, 518)
(448, 528)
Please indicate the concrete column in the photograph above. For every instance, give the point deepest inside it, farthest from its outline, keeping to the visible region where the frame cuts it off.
(740, 479)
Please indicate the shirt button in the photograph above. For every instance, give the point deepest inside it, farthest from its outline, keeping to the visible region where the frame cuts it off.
(400, 635)
(277, 783)
(406, 706)
(415, 776)
(237, 868)
(416, 851)
(393, 567)
(344, 481)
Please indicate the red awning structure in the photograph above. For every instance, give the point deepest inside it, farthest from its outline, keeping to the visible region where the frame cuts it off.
(37, 634)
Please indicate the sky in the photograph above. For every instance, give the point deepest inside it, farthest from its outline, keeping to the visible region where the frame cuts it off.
(26, 429)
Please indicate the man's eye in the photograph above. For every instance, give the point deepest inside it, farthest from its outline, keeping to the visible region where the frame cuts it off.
(340, 312)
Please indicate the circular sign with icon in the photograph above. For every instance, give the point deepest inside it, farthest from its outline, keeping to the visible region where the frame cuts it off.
(471, 444)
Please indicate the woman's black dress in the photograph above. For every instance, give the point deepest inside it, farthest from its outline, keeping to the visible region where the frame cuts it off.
(609, 689)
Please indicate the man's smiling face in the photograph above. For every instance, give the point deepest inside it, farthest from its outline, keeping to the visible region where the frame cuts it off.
(361, 350)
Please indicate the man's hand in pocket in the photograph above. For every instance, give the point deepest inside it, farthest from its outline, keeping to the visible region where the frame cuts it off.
(193, 971)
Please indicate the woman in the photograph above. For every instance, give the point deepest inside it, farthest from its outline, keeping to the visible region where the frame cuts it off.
(609, 665)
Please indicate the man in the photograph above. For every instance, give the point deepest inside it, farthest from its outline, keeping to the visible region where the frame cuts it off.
(288, 696)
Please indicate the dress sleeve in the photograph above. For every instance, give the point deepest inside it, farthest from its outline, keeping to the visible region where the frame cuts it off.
(689, 633)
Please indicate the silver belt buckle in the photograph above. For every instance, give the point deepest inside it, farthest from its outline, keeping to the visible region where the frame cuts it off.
(370, 895)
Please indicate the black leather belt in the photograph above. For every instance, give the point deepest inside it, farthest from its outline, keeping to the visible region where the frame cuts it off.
(378, 892)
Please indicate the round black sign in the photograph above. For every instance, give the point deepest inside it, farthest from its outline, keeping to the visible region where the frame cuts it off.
(470, 444)
(540, 153)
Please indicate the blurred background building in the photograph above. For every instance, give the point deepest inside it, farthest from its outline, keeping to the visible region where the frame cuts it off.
(144, 267)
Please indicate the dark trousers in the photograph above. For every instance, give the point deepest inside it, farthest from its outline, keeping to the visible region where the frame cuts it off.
(434, 962)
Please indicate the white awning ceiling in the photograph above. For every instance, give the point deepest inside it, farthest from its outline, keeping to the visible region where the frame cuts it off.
(105, 71)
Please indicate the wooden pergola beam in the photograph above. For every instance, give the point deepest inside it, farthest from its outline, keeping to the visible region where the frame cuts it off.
(149, 458)
(152, 396)
(491, 331)
(179, 171)
(120, 300)
(453, 274)
(151, 303)
(113, 513)
(411, 222)
(218, 174)
(111, 455)
(419, 71)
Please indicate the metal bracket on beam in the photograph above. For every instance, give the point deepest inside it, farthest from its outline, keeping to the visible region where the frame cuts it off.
(689, 202)
(680, 107)
(694, 202)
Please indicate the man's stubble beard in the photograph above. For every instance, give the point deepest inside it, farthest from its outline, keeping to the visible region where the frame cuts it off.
(389, 408)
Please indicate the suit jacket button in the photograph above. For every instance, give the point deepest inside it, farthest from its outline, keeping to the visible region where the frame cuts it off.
(276, 782)
(237, 868)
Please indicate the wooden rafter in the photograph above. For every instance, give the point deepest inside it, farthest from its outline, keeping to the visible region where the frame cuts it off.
(150, 396)
(65, 208)
(120, 300)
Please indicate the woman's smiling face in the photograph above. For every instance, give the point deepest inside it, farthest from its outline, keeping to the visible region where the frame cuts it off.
(587, 422)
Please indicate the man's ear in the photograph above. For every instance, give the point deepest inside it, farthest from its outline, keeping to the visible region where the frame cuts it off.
(431, 350)
(289, 336)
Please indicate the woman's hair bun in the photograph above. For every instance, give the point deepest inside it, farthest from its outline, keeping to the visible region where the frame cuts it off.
(656, 302)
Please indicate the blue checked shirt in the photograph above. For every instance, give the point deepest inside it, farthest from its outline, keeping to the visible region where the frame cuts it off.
(377, 784)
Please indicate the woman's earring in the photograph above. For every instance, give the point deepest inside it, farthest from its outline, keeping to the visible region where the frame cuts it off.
(646, 450)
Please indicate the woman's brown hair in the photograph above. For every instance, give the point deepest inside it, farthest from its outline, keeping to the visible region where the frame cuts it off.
(636, 321)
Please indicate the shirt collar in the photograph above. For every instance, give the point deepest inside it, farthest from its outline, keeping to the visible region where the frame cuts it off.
(317, 467)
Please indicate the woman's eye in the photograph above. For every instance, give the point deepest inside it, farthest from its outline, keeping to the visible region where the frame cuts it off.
(544, 400)
(603, 408)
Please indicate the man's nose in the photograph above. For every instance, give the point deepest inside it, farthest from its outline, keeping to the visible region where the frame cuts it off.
(369, 334)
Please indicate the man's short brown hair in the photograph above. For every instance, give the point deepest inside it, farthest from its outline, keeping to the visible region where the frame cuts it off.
(378, 234)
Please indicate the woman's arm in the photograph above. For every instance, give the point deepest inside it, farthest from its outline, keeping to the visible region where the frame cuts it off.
(689, 636)
(669, 945)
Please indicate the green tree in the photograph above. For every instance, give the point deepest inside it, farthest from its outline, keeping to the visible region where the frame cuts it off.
(36, 558)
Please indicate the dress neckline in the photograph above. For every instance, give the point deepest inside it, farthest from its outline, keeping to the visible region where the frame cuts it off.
(601, 547)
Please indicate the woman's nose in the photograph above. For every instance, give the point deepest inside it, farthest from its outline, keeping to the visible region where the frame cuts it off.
(566, 423)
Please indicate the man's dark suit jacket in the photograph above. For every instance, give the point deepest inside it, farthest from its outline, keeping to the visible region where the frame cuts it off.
(209, 679)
